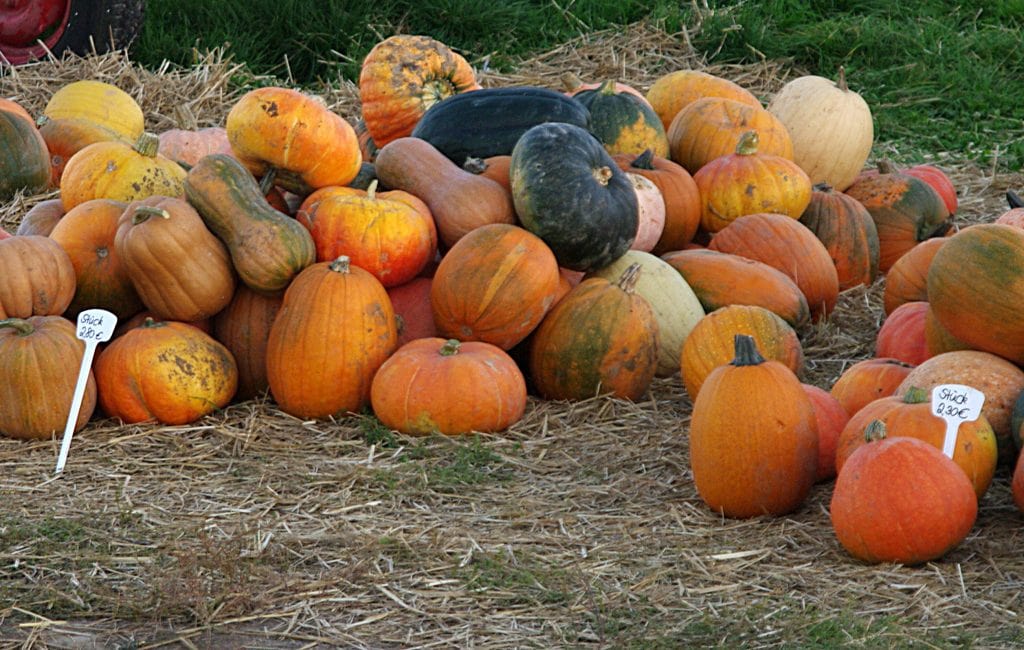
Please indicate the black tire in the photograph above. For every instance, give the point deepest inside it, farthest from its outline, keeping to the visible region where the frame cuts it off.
(101, 24)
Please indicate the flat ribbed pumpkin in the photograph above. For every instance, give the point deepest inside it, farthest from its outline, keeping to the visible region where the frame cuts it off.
(600, 338)
(335, 328)
(711, 343)
(976, 288)
(753, 437)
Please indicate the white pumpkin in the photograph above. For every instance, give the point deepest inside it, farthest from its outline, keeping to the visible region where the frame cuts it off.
(676, 307)
(651, 212)
(830, 126)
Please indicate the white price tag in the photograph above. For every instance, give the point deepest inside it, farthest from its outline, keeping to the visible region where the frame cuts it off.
(94, 326)
(956, 404)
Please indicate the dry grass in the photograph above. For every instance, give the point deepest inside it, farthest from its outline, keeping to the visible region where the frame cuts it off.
(579, 527)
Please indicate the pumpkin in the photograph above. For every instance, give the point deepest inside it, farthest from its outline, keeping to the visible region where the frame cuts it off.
(413, 312)
(911, 415)
(402, 77)
(1017, 483)
(307, 145)
(868, 380)
(848, 232)
(24, 159)
(674, 91)
(1000, 381)
(495, 168)
(711, 343)
(937, 338)
(789, 246)
(459, 200)
(495, 285)
(188, 146)
(711, 127)
(84, 112)
(180, 269)
(830, 125)
(119, 171)
(678, 192)
(831, 418)
(86, 233)
(267, 248)
(334, 329)
(41, 218)
(901, 501)
(902, 334)
(600, 338)
(650, 213)
(243, 327)
(719, 279)
(164, 371)
(490, 121)
(753, 437)
(569, 192)
(450, 387)
(907, 280)
(676, 308)
(1014, 216)
(40, 358)
(574, 85)
(38, 277)
(383, 233)
(939, 181)
(906, 211)
(622, 122)
(749, 182)
(976, 286)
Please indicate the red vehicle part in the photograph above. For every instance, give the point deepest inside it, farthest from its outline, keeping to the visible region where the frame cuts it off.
(29, 29)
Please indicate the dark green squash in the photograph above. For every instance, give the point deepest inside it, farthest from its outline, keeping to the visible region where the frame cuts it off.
(623, 121)
(569, 192)
(267, 247)
(24, 158)
(488, 122)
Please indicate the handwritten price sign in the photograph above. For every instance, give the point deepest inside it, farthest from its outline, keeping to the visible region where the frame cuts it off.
(956, 404)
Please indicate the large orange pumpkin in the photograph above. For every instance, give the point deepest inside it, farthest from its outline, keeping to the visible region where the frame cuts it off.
(753, 437)
(674, 91)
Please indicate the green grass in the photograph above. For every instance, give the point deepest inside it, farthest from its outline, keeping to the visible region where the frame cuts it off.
(938, 75)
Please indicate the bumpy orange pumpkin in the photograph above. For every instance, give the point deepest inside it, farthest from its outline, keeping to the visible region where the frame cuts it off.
(433, 385)
(753, 437)
(308, 145)
(166, 371)
(39, 362)
(335, 328)
(403, 76)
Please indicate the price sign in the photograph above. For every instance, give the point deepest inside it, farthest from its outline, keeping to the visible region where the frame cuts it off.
(94, 327)
(956, 404)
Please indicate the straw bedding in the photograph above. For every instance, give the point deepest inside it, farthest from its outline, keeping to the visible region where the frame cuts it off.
(579, 527)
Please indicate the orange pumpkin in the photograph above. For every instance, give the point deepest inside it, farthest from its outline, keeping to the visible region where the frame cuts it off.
(907, 280)
(243, 327)
(433, 385)
(678, 192)
(38, 277)
(403, 76)
(674, 91)
(753, 437)
(306, 144)
(902, 334)
(166, 371)
(869, 380)
(189, 145)
(335, 328)
(831, 419)
(848, 232)
(41, 218)
(39, 363)
(411, 302)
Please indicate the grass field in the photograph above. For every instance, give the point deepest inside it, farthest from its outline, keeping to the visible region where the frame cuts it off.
(939, 77)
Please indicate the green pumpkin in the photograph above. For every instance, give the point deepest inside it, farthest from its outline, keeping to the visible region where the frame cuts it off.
(569, 192)
(24, 158)
(623, 122)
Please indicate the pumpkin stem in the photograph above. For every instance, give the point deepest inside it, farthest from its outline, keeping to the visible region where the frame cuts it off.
(915, 395)
(144, 212)
(885, 167)
(875, 431)
(607, 87)
(371, 190)
(571, 81)
(20, 325)
(450, 347)
(1014, 199)
(147, 144)
(152, 322)
(628, 279)
(841, 82)
(747, 145)
(822, 187)
(474, 165)
(603, 175)
(341, 264)
(267, 182)
(644, 161)
(745, 352)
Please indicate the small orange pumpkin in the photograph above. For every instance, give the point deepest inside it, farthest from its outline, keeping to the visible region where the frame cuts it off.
(38, 277)
(678, 191)
(869, 380)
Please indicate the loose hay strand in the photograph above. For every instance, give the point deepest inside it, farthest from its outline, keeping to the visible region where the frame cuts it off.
(578, 526)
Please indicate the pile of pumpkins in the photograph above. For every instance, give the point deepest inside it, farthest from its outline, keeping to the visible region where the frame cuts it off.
(457, 247)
